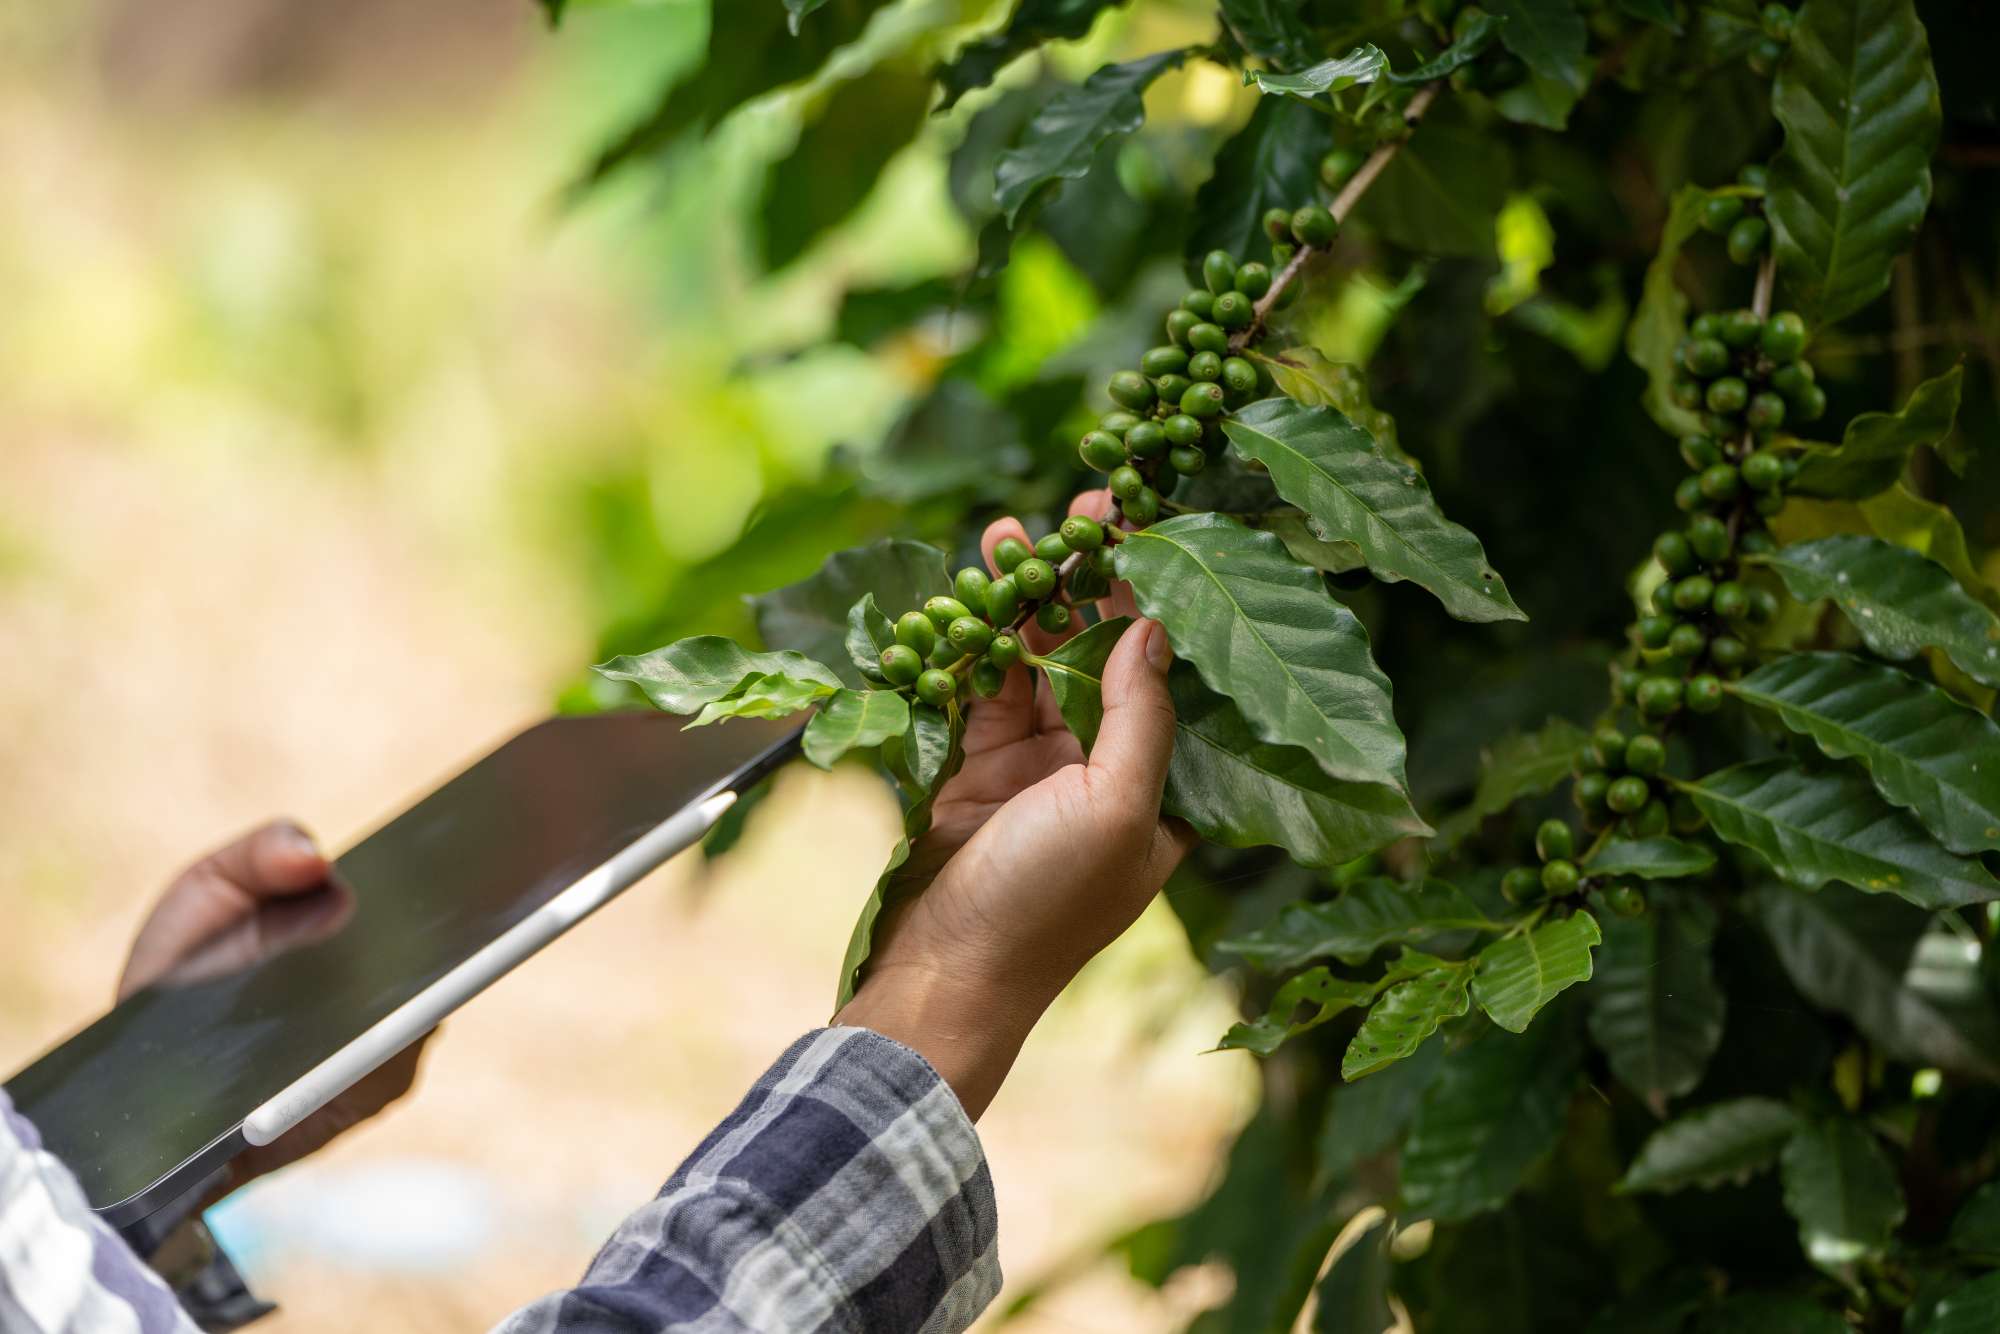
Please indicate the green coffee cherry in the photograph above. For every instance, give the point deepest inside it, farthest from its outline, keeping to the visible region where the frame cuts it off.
(1179, 322)
(902, 664)
(1627, 794)
(1277, 226)
(1722, 481)
(1811, 405)
(1693, 593)
(1699, 451)
(1708, 324)
(1171, 387)
(1233, 310)
(1036, 578)
(1727, 395)
(1747, 240)
(1607, 747)
(1792, 380)
(1182, 429)
(1104, 560)
(1654, 631)
(1686, 393)
(969, 586)
(1645, 754)
(1741, 328)
(1205, 367)
(969, 635)
(1769, 503)
(1764, 56)
(1704, 694)
(1338, 167)
(1766, 412)
(1727, 651)
(1784, 337)
(1218, 271)
(1125, 483)
(1101, 450)
(1663, 597)
(1052, 617)
(1118, 421)
(987, 679)
(1313, 225)
(1202, 400)
(1560, 877)
(1009, 552)
(1731, 601)
(1762, 469)
(1708, 537)
(1003, 600)
(1704, 357)
(1522, 885)
(1673, 553)
(917, 631)
(1131, 389)
(944, 610)
(1082, 533)
(944, 657)
(1143, 508)
(1209, 338)
(1625, 900)
(1757, 542)
(1051, 548)
(1164, 360)
(1004, 651)
(1720, 212)
(1763, 605)
(1186, 460)
(1755, 175)
(1201, 303)
(1659, 696)
(1588, 791)
(1625, 682)
(1686, 641)
(1554, 839)
(1239, 376)
(937, 687)
(1254, 279)
(1687, 496)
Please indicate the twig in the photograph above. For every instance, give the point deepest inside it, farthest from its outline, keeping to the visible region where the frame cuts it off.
(1767, 278)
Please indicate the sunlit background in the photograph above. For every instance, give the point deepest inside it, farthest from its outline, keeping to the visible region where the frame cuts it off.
(335, 442)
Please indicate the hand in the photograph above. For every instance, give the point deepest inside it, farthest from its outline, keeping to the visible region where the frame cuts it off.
(266, 893)
(1036, 859)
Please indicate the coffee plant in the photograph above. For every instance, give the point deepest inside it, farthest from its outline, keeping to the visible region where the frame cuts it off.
(1646, 986)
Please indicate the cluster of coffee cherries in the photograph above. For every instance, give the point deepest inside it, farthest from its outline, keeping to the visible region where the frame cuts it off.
(1559, 877)
(1739, 219)
(1776, 21)
(969, 636)
(1742, 372)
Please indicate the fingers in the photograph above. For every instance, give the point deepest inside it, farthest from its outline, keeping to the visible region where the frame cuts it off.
(274, 859)
(1117, 601)
(1136, 738)
(1037, 639)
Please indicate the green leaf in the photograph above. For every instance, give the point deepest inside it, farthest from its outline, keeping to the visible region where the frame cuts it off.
(1842, 1189)
(1235, 790)
(1367, 916)
(772, 695)
(839, 157)
(1926, 752)
(1331, 469)
(1655, 1009)
(811, 616)
(1272, 162)
(1975, 1228)
(1876, 445)
(796, 10)
(1652, 859)
(1063, 138)
(1354, 1295)
(1033, 23)
(1859, 104)
(1262, 629)
(1498, 1106)
(1660, 321)
(1929, 529)
(1712, 1146)
(1971, 1309)
(1407, 1014)
(1478, 35)
(955, 441)
(1364, 64)
(1548, 36)
(1317, 987)
(1517, 976)
(1307, 375)
(1524, 764)
(1857, 955)
(728, 829)
(1441, 193)
(1900, 602)
(1772, 1313)
(1652, 11)
(1826, 823)
(851, 720)
(690, 674)
(869, 631)
(1366, 1118)
(1273, 29)
(1301, 537)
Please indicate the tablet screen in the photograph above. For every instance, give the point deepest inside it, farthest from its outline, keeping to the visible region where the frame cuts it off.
(173, 1070)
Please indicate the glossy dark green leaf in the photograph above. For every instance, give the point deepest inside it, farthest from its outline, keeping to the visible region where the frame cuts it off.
(1859, 104)
(811, 616)
(1548, 36)
(1857, 954)
(1364, 64)
(954, 441)
(1478, 35)
(1364, 1119)
(1428, 992)
(1712, 1146)
(1656, 1010)
(1365, 917)
(1234, 789)
(1771, 1313)
(1926, 752)
(691, 674)
(869, 631)
(1307, 375)
(1319, 990)
(1354, 1295)
(1971, 1309)
(1524, 764)
(1032, 23)
(1826, 823)
(1876, 445)
(1331, 469)
(1062, 140)
(1272, 162)
(1516, 976)
(1660, 321)
(1496, 1109)
(1441, 193)
(1262, 629)
(852, 719)
(1900, 602)
(1302, 538)
(1273, 29)
(839, 157)
(1652, 859)
(1842, 1190)
(1975, 1228)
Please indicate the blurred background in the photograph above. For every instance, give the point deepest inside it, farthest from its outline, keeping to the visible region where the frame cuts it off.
(337, 437)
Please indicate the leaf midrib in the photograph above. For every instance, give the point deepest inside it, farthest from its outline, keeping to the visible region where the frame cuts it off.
(1818, 840)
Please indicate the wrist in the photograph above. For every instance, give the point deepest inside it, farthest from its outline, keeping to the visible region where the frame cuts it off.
(969, 1028)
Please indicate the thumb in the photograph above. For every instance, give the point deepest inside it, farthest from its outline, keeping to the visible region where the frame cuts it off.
(1136, 738)
(274, 859)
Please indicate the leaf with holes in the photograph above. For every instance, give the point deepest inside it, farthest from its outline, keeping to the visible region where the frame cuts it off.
(1876, 445)
(1826, 823)
(1262, 629)
(1859, 104)
(1364, 64)
(1655, 1009)
(853, 719)
(1062, 140)
(1651, 859)
(1712, 1146)
(1331, 469)
(1842, 1189)
(1317, 988)
(1517, 976)
(690, 675)
(1926, 752)
(1407, 1013)
(1366, 917)
(1900, 602)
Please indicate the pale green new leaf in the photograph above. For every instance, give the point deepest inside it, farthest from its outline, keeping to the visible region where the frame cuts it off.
(1842, 1189)
(1262, 629)
(811, 616)
(1366, 917)
(1652, 859)
(1406, 1016)
(1517, 976)
(869, 631)
(1859, 103)
(1924, 750)
(1521, 765)
(770, 696)
(1826, 823)
(689, 674)
(1364, 64)
(851, 720)
(1234, 789)
(1876, 445)
(1660, 321)
(1318, 988)
(1062, 140)
(1712, 1146)
(1900, 602)
(1655, 1008)
(1331, 469)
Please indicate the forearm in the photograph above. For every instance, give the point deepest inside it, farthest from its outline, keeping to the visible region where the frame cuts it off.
(969, 1030)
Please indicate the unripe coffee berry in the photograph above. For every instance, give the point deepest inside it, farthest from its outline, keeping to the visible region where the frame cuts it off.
(1727, 395)
(969, 587)
(1763, 470)
(1522, 885)
(1239, 376)
(1104, 560)
(1674, 554)
(1233, 310)
(1659, 696)
(1218, 271)
(987, 679)
(1727, 651)
(1035, 577)
(1687, 495)
(1051, 548)
(944, 610)
(1101, 450)
(1784, 337)
(1200, 302)
(1720, 212)
(1082, 533)
(917, 631)
(1654, 631)
(1171, 387)
(1164, 360)
(1560, 877)
(1704, 694)
(1313, 225)
(1704, 357)
(1607, 747)
(1052, 617)
(969, 635)
(1699, 451)
(1125, 483)
(1178, 324)
(1686, 641)
(937, 687)
(1004, 651)
(1708, 537)
(1143, 508)
(1747, 240)
(1277, 224)
(1766, 412)
(1740, 328)
(1202, 400)
(1205, 367)
(1645, 754)
(902, 664)
(1731, 601)
(1003, 600)
(1131, 389)
(1692, 593)
(1186, 460)
(1182, 429)
(1254, 279)
(1627, 794)
(1588, 791)
(1625, 900)
(1207, 337)
(1649, 821)
(1337, 167)
(1011, 551)
(1721, 481)
(1554, 839)
(1147, 440)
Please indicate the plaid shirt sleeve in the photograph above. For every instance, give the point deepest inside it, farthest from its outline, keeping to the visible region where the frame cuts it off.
(62, 1271)
(847, 1193)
